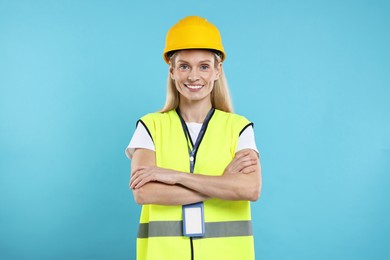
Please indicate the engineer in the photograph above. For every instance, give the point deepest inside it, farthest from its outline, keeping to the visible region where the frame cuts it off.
(195, 165)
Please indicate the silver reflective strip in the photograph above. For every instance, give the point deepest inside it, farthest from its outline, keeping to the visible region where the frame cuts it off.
(160, 229)
(229, 229)
(213, 229)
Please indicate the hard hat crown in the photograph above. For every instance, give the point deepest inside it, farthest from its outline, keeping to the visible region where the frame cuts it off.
(193, 32)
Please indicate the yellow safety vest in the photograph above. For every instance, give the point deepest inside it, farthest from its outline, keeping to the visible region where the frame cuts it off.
(228, 223)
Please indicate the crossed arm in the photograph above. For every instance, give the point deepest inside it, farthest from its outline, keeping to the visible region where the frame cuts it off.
(241, 180)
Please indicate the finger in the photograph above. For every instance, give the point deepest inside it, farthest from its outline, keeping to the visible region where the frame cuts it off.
(242, 162)
(133, 177)
(133, 182)
(136, 178)
(144, 176)
(245, 164)
(246, 156)
(136, 183)
(241, 154)
(238, 165)
(143, 181)
(249, 169)
(233, 166)
(138, 169)
(250, 153)
(249, 156)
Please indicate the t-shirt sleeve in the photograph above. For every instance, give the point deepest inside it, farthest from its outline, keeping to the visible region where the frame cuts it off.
(140, 139)
(247, 140)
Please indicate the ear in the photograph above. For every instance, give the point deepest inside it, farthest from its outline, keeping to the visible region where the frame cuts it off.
(171, 71)
(218, 71)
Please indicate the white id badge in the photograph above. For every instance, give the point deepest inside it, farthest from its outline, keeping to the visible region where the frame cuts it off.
(193, 220)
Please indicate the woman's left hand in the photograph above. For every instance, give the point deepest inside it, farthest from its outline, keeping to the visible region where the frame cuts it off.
(143, 175)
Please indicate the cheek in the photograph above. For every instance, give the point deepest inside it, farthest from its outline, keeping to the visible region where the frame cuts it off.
(211, 79)
(179, 77)
(178, 85)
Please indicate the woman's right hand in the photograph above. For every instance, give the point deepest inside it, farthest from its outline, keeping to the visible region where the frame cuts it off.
(143, 175)
(244, 161)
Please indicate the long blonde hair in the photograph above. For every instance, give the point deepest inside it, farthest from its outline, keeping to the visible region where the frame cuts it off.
(220, 96)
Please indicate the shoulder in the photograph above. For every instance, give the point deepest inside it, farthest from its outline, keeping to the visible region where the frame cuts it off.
(232, 118)
(160, 121)
(157, 116)
(152, 116)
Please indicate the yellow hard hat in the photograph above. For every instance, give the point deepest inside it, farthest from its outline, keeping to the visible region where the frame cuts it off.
(193, 32)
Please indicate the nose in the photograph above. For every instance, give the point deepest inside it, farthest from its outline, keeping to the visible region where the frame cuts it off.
(193, 75)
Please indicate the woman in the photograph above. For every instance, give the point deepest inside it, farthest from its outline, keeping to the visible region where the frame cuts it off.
(195, 166)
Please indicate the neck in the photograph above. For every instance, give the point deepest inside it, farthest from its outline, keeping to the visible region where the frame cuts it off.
(195, 113)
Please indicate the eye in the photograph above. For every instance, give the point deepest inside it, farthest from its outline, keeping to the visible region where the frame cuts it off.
(204, 67)
(183, 67)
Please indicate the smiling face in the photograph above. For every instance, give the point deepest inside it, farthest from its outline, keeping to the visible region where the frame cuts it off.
(194, 73)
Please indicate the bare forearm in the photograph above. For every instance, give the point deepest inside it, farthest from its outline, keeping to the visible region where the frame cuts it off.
(241, 180)
(164, 194)
(226, 187)
(159, 192)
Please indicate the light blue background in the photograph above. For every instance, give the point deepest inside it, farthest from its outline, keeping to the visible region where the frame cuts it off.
(75, 76)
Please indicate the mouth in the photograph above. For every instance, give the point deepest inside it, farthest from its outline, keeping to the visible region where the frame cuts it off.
(193, 87)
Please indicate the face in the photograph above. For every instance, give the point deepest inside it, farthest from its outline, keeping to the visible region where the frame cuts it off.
(194, 73)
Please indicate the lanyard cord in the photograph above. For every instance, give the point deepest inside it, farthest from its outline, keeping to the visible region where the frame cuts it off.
(193, 148)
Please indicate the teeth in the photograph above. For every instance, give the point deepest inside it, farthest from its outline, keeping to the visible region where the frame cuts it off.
(194, 86)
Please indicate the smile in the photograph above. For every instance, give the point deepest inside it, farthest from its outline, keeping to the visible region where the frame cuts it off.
(194, 86)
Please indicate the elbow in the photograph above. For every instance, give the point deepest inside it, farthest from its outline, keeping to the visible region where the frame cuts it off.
(254, 193)
(139, 196)
(255, 190)
(251, 193)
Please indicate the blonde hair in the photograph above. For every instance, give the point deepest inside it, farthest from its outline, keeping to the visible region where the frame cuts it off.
(220, 96)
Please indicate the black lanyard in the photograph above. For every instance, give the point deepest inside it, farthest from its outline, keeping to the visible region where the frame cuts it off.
(193, 148)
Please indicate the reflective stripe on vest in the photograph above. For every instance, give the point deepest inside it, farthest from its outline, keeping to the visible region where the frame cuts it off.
(213, 229)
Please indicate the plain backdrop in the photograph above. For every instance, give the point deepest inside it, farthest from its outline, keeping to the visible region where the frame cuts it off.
(314, 77)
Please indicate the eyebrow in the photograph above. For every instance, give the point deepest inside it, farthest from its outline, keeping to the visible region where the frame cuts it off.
(202, 61)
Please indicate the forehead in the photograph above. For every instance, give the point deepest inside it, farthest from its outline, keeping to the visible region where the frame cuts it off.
(194, 55)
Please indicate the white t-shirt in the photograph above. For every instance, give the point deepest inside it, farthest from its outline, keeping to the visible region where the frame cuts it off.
(141, 138)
